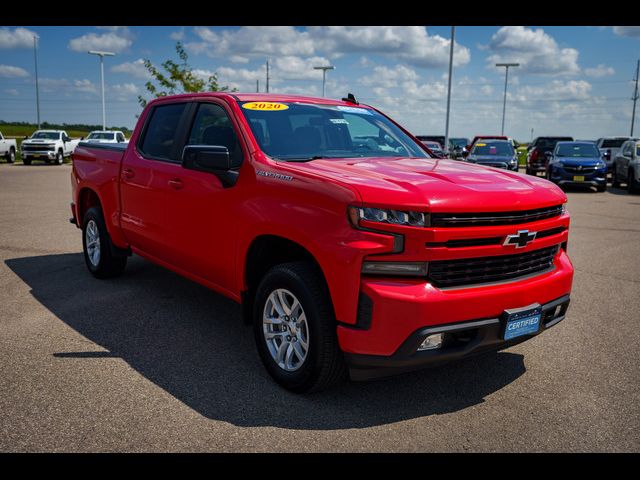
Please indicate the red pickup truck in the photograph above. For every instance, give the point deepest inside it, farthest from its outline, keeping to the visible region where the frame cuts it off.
(350, 248)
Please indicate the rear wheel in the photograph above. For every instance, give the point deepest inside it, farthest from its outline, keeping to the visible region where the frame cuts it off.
(614, 177)
(11, 155)
(97, 247)
(295, 329)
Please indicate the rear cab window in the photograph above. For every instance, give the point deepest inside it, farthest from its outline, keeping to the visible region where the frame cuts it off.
(158, 140)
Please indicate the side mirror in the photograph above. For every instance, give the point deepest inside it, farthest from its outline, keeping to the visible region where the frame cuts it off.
(210, 159)
(607, 155)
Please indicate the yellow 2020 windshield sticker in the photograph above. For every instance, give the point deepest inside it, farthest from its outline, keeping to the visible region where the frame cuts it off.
(266, 106)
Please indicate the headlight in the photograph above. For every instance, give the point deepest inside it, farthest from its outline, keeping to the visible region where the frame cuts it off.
(601, 165)
(391, 217)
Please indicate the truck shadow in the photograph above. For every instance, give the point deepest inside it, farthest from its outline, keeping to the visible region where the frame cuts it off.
(190, 342)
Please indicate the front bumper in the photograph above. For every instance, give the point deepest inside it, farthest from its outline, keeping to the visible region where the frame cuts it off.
(38, 153)
(596, 179)
(393, 309)
(461, 340)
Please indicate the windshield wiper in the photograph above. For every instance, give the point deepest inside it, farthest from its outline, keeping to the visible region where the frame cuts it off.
(307, 159)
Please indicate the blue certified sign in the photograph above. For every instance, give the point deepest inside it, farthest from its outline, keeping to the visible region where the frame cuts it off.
(522, 323)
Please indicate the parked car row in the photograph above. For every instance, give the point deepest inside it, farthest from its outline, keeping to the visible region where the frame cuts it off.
(53, 145)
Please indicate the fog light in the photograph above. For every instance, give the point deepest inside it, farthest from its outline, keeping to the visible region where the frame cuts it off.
(431, 342)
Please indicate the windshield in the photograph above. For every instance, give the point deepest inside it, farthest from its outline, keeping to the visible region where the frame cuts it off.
(584, 150)
(613, 142)
(100, 136)
(493, 148)
(549, 143)
(46, 135)
(459, 142)
(300, 132)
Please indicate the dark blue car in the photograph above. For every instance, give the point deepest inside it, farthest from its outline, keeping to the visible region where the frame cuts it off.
(577, 163)
(494, 153)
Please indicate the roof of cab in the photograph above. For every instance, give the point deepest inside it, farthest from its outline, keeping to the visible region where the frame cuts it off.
(268, 97)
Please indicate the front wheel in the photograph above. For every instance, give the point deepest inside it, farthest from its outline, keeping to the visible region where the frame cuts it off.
(96, 244)
(632, 184)
(614, 177)
(295, 329)
(59, 158)
(26, 160)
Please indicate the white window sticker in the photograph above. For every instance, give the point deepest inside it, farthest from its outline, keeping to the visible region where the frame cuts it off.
(354, 110)
(339, 120)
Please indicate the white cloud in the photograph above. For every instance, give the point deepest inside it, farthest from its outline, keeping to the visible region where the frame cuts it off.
(178, 36)
(9, 71)
(411, 44)
(114, 40)
(386, 77)
(599, 71)
(136, 69)
(557, 90)
(252, 40)
(85, 86)
(296, 68)
(426, 91)
(535, 50)
(18, 38)
(11, 91)
(627, 31)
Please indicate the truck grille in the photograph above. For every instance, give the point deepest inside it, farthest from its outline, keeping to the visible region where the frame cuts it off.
(500, 218)
(579, 171)
(494, 164)
(471, 271)
(37, 148)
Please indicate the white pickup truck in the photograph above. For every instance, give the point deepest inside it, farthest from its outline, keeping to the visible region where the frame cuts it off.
(8, 148)
(47, 145)
(106, 136)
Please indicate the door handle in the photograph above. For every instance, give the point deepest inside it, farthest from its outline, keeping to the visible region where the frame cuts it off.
(176, 183)
(128, 173)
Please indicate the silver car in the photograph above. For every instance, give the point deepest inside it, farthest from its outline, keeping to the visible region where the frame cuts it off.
(626, 166)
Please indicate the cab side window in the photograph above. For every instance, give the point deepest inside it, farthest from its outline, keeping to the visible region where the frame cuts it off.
(119, 137)
(212, 126)
(627, 151)
(158, 141)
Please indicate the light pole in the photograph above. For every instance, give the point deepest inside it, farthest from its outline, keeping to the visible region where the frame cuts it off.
(102, 55)
(324, 74)
(506, 79)
(35, 58)
(446, 130)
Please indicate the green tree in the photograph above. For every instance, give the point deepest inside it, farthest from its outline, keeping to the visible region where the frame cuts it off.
(177, 78)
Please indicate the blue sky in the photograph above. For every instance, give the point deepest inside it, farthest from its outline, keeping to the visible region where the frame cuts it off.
(572, 80)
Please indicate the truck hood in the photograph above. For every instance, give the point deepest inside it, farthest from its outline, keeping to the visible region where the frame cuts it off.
(37, 141)
(436, 185)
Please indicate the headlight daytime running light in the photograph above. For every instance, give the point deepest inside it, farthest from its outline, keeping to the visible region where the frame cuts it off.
(388, 216)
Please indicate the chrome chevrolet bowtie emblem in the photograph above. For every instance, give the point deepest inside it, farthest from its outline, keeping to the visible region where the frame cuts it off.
(520, 239)
(579, 167)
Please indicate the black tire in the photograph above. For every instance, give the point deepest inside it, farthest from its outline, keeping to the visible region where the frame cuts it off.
(108, 265)
(632, 185)
(602, 188)
(324, 364)
(59, 160)
(11, 155)
(614, 178)
(26, 161)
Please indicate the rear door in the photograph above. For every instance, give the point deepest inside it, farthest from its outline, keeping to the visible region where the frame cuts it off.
(201, 219)
(146, 169)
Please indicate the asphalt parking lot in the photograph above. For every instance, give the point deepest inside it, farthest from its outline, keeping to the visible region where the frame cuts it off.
(154, 362)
